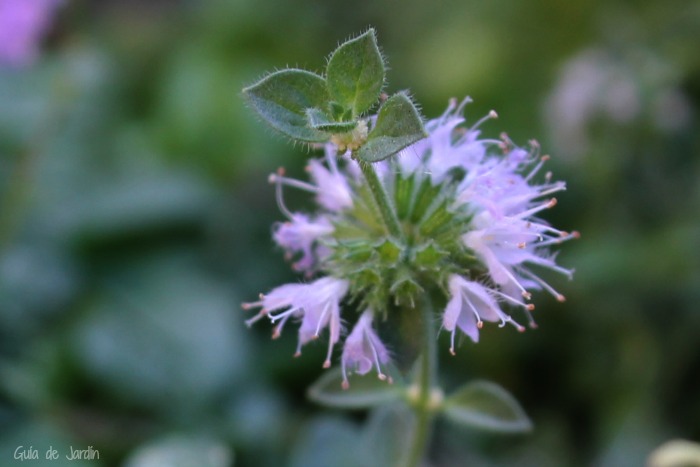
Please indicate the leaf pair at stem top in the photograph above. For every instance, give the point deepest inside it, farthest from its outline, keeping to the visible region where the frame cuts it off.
(314, 109)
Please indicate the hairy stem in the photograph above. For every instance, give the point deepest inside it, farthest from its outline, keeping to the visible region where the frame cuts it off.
(386, 207)
(426, 381)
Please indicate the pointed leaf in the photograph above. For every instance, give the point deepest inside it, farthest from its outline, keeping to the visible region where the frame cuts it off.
(282, 98)
(355, 73)
(482, 404)
(398, 125)
(364, 391)
(319, 120)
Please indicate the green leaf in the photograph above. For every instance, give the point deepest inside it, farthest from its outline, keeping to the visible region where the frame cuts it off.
(398, 125)
(319, 120)
(364, 391)
(355, 73)
(282, 99)
(486, 405)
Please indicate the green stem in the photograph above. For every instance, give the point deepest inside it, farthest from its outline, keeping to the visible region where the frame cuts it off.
(386, 208)
(426, 381)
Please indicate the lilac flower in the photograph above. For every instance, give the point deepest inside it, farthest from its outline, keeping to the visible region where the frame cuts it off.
(504, 234)
(479, 193)
(470, 304)
(330, 184)
(301, 234)
(316, 303)
(506, 246)
(447, 146)
(333, 191)
(22, 23)
(363, 350)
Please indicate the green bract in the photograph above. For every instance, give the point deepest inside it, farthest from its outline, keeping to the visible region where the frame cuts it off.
(355, 73)
(398, 125)
(314, 109)
(283, 98)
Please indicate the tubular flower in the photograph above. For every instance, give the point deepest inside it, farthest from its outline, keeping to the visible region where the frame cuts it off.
(363, 350)
(470, 303)
(317, 304)
(301, 235)
(467, 233)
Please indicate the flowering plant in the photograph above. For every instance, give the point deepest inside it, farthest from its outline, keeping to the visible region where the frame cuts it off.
(412, 218)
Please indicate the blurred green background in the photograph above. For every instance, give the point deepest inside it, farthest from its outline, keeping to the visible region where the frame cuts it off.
(135, 216)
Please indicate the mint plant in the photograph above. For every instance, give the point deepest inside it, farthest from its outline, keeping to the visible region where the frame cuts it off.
(413, 219)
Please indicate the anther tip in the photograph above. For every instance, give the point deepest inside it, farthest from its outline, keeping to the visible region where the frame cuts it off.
(326, 364)
(526, 295)
(552, 202)
(561, 298)
(533, 325)
(297, 354)
(452, 352)
(493, 114)
(576, 234)
(345, 385)
(545, 158)
(480, 324)
(381, 376)
(530, 307)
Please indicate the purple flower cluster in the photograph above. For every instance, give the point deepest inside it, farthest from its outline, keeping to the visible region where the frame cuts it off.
(22, 24)
(508, 242)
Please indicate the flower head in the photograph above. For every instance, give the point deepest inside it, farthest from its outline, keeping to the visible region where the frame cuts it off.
(467, 228)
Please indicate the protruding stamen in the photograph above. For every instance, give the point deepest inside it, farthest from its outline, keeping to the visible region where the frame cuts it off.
(508, 298)
(278, 193)
(249, 322)
(466, 101)
(380, 375)
(249, 305)
(537, 168)
(529, 212)
(491, 115)
(544, 285)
